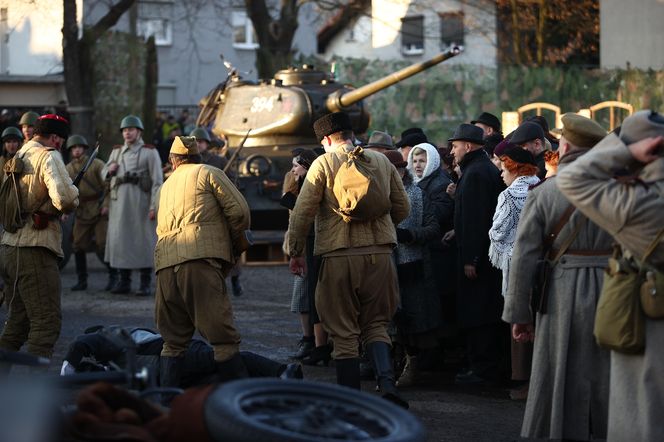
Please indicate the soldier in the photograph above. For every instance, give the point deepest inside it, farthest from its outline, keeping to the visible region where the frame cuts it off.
(92, 213)
(203, 141)
(134, 169)
(27, 123)
(12, 138)
(202, 219)
(357, 291)
(30, 256)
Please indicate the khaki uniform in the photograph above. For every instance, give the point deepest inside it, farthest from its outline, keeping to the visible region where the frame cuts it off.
(89, 222)
(201, 223)
(357, 292)
(29, 256)
(633, 214)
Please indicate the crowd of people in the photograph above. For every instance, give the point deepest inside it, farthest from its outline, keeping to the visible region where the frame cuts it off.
(499, 241)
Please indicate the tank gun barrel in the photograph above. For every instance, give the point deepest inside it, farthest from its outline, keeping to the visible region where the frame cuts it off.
(338, 101)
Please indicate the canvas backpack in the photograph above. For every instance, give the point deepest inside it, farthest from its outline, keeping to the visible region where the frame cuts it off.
(357, 190)
(10, 200)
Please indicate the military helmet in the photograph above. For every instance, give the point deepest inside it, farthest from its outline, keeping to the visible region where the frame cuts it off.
(131, 121)
(29, 118)
(12, 132)
(201, 134)
(76, 140)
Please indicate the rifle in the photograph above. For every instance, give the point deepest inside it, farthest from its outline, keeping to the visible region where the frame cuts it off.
(237, 152)
(93, 155)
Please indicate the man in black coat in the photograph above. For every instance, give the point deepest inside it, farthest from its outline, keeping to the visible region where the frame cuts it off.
(479, 299)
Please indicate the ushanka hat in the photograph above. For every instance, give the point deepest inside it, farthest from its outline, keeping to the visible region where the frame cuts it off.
(640, 125)
(184, 146)
(52, 124)
(469, 133)
(412, 137)
(332, 123)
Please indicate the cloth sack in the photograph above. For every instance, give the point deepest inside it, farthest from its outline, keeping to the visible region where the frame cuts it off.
(10, 200)
(619, 321)
(359, 196)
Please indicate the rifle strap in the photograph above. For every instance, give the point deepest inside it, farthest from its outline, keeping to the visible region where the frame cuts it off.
(551, 237)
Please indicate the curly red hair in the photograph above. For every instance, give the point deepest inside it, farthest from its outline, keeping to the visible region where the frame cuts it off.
(518, 169)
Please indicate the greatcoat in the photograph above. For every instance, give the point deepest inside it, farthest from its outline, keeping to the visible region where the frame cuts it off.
(132, 236)
(568, 393)
(632, 213)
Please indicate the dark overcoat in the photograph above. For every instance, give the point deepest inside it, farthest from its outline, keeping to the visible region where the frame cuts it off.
(479, 301)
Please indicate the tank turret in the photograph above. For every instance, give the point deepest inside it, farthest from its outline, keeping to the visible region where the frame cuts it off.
(274, 116)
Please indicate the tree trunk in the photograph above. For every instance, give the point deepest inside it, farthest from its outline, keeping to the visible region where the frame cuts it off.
(151, 80)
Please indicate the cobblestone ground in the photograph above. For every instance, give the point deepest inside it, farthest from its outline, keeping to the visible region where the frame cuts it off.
(449, 412)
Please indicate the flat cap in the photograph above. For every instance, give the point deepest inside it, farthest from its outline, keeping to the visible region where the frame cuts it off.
(527, 131)
(380, 139)
(489, 119)
(469, 133)
(581, 131)
(332, 123)
(640, 125)
(184, 146)
(518, 155)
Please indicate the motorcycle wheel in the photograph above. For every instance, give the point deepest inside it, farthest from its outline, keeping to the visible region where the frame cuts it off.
(280, 410)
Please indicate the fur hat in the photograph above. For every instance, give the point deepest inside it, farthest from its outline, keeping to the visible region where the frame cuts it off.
(640, 125)
(332, 123)
(184, 146)
(581, 131)
(52, 124)
(395, 158)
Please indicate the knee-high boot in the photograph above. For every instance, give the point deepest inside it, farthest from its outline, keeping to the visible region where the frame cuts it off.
(348, 372)
(112, 278)
(81, 271)
(124, 285)
(379, 353)
(146, 279)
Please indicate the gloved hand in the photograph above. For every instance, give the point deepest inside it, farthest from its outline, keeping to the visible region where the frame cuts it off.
(404, 236)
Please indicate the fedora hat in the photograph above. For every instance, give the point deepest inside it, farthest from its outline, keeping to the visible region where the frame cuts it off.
(411, 137)
(380, 139)
(468, 132)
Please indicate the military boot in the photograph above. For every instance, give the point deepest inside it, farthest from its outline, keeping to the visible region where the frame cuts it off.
(379, 353)
(124, 285)
(236, 286)
(146, 279)
(112, 278)
(231, 369)
(170, 371)
(409, 375)
(81, 271)
(348, 372)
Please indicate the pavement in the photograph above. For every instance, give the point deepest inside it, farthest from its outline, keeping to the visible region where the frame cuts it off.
(448, 412)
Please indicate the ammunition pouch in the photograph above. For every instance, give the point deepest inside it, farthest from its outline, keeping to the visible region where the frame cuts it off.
(141, 180)
(40, 220)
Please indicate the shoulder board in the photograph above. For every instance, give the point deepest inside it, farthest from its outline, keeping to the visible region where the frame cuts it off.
(117, 146)
(149, 146)
(536, 185)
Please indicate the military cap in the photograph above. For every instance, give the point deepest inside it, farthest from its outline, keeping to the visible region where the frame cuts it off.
(184, 146)
(527, 131)
(489, 119)
(411, 137)
(332, 123)
(581, 131)
(52, 124)
(640, 125)
(395, 158)
(469, 133)
(12, 132)
(518, 155)
(380, 139)
(29, 118)
(77, 140)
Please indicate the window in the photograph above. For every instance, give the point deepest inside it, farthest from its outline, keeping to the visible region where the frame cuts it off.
(160, 28)
(412, 35)
(451, 28)
(244, 36)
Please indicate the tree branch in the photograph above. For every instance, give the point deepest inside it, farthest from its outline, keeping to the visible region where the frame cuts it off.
(109, 20)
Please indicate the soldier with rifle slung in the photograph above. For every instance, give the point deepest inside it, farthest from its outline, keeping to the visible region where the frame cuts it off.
(92, 213)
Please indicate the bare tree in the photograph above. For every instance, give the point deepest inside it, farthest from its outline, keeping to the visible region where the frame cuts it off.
(77, 62)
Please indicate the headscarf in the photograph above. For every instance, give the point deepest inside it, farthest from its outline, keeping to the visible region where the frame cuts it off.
(433, 161)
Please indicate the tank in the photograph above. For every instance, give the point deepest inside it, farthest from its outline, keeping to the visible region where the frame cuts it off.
(263, 121)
